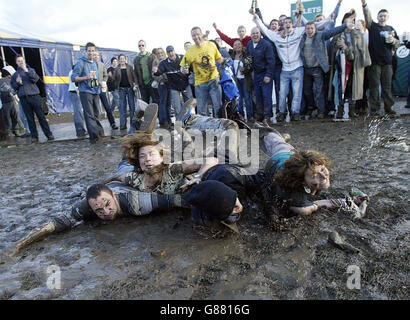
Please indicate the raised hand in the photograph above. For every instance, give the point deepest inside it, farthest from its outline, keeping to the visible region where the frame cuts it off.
(214, 25)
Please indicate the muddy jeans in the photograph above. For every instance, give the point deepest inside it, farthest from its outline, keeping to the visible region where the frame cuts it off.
(380, 75)
(273, 143)
(10, 116)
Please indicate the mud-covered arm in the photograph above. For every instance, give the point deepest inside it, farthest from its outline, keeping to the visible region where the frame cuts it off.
(80, 212)
(198, 166)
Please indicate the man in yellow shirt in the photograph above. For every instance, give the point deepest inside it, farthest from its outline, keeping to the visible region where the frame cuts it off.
(203, 56)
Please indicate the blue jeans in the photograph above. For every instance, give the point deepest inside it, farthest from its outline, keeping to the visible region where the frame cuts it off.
(176, 98)
(164, 108)
(294, 78)
(106, 105)
(263, 93)
(115, 101)
(245, 97)
(78, 113)
(314, 95)
(90, 108)
(276, 78)
(203, 91)
(32, 105)
(23, 117)
(126, 94)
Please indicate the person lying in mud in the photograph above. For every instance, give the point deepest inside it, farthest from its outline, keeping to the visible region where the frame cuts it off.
(105, 202)
(294, 178)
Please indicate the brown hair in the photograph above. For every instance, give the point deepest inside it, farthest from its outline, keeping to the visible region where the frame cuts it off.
(292, 176)
(132, 144)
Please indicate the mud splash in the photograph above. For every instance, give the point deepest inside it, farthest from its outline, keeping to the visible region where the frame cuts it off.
(163, 257)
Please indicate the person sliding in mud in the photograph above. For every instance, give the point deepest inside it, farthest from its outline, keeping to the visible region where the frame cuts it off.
(153, 186)
(294, 178)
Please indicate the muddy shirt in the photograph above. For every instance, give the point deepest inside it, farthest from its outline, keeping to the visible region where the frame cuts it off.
(172, 179)
(132, 203)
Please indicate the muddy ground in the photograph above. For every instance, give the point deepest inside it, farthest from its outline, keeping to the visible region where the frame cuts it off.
(163, 257)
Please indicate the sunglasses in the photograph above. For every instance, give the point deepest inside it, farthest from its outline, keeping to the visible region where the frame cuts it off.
(141, 45)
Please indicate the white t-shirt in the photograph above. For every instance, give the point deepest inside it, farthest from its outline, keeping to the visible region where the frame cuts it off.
(237, 64)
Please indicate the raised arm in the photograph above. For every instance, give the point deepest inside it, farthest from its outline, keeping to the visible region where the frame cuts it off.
(367, 15)
(271, 35)
(223, 36)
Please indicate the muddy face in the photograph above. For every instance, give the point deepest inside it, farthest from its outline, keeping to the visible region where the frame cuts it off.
(149, 158)
(318, 178)
(105, 206)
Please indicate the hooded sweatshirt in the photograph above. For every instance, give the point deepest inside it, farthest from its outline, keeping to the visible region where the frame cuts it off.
(82, 68)
(289, 47)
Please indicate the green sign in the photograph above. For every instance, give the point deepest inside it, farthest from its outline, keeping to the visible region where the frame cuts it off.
(312, 8)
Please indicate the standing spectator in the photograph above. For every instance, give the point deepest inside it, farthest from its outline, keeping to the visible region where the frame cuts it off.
(203, 57)
(86, 74)
(3, 131)
(24, 82)
(407, 44)
(288, 46)
(103, 92)
(243, 78)
(113, 93)
(164, 108)
(351, 44)
(315, 62)
(124, 82)
(177, 81)
(362, 104)
(143, 72)
(263, 62)
(77, 109)
(243, 38)
(383, 40)
(10, 115)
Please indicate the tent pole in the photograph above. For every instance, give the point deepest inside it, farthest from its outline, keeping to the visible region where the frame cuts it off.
(3, 56)
(22, 53)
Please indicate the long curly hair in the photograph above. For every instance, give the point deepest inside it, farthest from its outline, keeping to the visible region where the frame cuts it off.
(292, 176)
(131, 145)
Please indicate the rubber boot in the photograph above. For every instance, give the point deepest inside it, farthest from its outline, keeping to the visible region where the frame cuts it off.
(340, 112)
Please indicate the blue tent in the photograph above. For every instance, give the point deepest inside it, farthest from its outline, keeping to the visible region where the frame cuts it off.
(53, 61)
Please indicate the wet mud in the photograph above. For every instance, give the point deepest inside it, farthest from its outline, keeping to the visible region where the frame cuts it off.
(163, 257)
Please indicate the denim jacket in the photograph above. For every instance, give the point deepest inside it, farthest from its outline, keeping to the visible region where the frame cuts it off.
(319, 46)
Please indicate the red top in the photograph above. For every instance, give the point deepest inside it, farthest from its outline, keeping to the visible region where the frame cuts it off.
(231, 41)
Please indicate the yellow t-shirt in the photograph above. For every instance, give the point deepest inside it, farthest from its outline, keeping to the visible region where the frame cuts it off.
(203, 60)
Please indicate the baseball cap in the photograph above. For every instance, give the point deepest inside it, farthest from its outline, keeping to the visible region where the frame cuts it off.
(170, 48)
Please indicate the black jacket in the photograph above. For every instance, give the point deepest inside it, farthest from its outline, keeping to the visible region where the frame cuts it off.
(176, 79)
(29, 87)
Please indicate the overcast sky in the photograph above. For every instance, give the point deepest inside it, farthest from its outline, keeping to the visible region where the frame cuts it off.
(120, 24)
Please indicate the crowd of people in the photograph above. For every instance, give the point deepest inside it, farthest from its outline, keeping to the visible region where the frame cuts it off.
(306, 68)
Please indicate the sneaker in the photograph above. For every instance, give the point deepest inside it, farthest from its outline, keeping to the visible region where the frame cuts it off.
(296, 117)
(186, 109)
(280, 117)
(390, 111)
(25, 135)
(266, 122)
(114, 126)
(50, 137)
(34, 140)
(286, 137)
(150, 118)
(123, 128)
